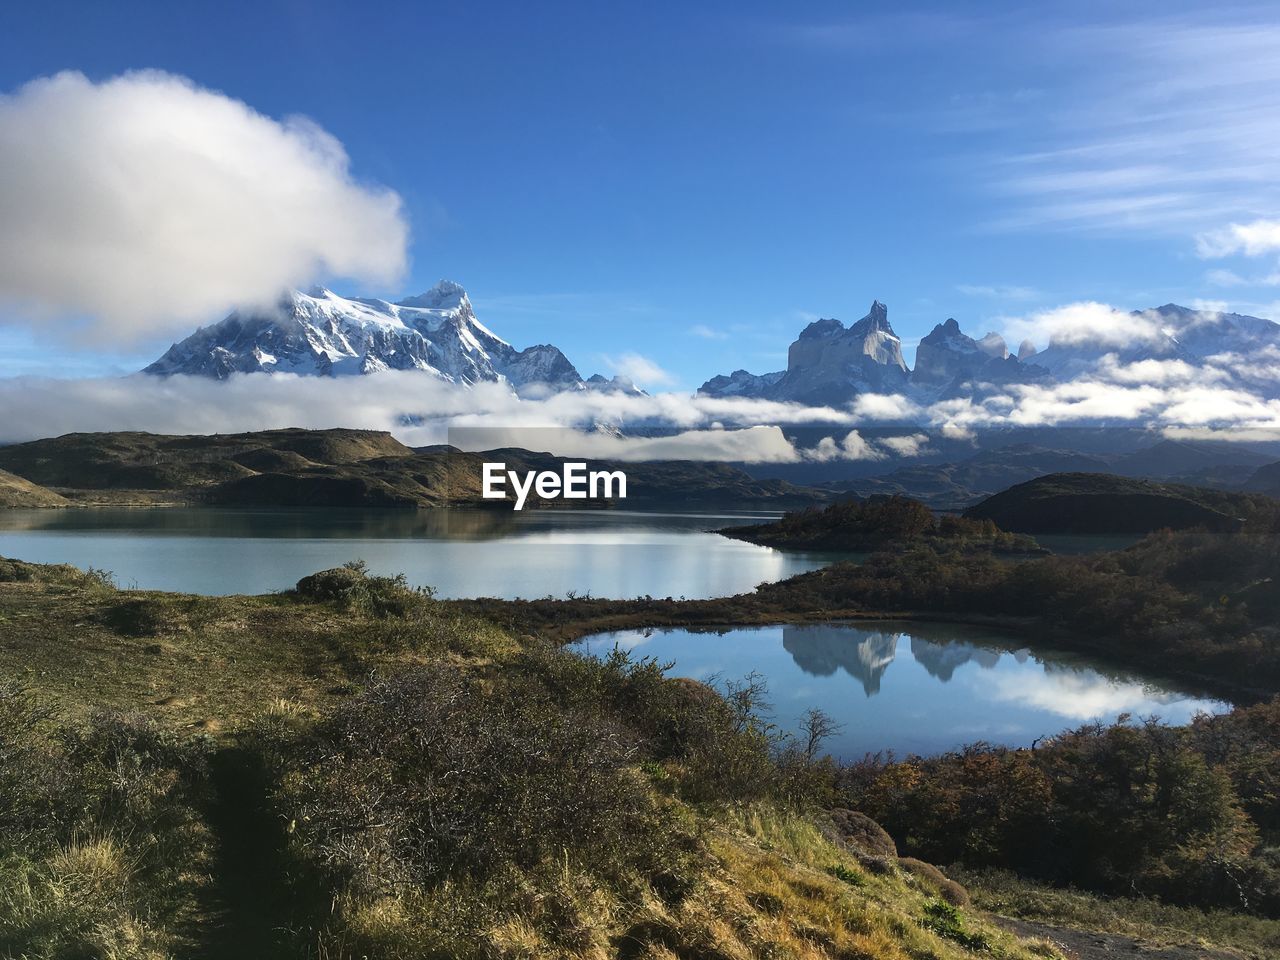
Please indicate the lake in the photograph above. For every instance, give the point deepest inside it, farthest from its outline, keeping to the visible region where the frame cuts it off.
(462, 553)
(912, 687)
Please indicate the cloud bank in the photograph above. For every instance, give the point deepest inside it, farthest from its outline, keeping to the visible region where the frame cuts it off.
(1085, 322)
(144, 204)
(1171, 396)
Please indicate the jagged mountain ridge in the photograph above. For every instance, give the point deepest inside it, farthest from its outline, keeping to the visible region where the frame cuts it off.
(829, 363)
(320, 333)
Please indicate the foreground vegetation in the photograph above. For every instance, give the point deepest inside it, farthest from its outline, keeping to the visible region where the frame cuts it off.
(357, 770)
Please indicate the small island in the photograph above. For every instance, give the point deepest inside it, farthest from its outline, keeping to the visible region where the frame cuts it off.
(859, 526)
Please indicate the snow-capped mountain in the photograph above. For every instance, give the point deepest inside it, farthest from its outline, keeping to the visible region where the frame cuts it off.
(321, 333)
(828, 363)
(950, 363)
(1172, 332)
(831, 364)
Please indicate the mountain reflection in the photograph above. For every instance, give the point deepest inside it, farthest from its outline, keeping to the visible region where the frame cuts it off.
(866, 654)
(1011, 695)
(942, 660)
(822, 650)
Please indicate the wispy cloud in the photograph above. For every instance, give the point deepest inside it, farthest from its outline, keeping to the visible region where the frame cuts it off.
(639, 369)
(998, 291)
(704, 332)
(1158, 125)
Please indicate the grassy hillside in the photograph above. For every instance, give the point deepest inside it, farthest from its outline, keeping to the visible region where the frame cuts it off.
(357, 770)
(348, 468)
(1082, 503)
(16, 491)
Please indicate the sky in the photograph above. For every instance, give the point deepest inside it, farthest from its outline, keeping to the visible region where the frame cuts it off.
(677, 189)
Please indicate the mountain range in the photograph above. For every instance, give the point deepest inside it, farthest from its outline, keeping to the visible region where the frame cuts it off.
(830, 363)
(437, 332)
(322, 334)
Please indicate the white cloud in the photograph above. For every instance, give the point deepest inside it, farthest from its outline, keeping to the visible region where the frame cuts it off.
(1229, 278)
(704, 428)
(1084, 322)
(1251, 239)
(639, 369)
(910, 446)
(884, 406)
(998, 292)
(853, 447)
(1154, 371)
(707, 333)
(144, 204)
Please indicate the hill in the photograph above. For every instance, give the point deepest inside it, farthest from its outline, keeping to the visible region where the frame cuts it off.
(246, 776)
(1081, 503)
(954, 486)
(858, 526)
(1266, 480)
(17, 492)
(340, 468)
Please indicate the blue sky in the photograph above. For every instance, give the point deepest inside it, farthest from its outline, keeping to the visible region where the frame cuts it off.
(695, 182)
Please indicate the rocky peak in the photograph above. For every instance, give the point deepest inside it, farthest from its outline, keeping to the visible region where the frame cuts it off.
(826, 327)
(445, 295)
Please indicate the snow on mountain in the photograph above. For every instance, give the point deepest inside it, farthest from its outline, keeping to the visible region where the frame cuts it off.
(950, 363)
(1172, 332)
(831, 364)
(321, 333)
(828, 362)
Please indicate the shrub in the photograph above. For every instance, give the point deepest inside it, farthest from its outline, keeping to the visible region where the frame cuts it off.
(1120, 808)
(860, 831)
(351, 587)
(436, 775)
(946, 888)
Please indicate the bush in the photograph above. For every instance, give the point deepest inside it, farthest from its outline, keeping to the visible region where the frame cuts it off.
(861, 832)
(950, 891)
(1120, 808)
(351, 587)
(720, 747)
(437, 775)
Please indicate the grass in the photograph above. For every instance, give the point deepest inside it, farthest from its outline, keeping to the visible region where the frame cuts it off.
(181, 846)
(208, 663)
(1150, 920)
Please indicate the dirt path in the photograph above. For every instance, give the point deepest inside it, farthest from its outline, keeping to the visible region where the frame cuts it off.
(1087, 945)
(251, 895)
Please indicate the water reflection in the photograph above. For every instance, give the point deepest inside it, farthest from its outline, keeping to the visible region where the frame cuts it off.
(918, 687)
(462, 553)
(822, 650)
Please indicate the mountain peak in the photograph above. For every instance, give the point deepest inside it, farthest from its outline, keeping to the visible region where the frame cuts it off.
(825, 327)
(445, 295)
(321, 333)
(876, 321)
